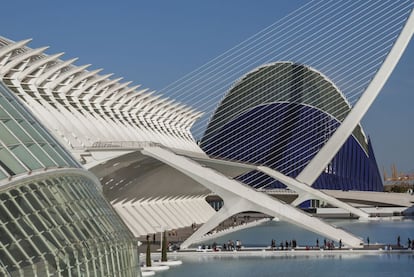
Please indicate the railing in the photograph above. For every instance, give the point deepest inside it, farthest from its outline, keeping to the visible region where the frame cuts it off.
(235, 228)
(278, 191)
(123, 144)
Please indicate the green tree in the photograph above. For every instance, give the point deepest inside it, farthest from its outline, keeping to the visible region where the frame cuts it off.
(164, 247)
(148, 256)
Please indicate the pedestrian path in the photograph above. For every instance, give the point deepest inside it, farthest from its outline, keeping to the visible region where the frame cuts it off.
(231, 229)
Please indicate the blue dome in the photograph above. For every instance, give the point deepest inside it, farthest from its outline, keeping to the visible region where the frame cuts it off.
(284, 132)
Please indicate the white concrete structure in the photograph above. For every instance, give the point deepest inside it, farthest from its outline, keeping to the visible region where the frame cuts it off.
(241, 198)
(54, 219)
(140, 146)
(84, 109)
(317, 165)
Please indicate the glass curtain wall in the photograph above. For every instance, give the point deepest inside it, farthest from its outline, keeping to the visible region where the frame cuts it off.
(54, 220)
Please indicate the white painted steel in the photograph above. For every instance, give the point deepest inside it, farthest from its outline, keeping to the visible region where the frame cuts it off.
(240, 198)
(82, 107)
(150, 216)
(329, 150)
(306, 192)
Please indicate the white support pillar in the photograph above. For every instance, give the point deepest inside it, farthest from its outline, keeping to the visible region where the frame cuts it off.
(224, 213)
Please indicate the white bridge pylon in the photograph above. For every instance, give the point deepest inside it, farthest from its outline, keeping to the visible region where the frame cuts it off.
(312, 171)
(239, 198)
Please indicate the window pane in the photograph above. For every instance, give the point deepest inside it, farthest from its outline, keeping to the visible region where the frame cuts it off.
(2, 174)
(4, 102)
(10, 164)
(64, 155)
(3, 114)
(26, 158)
(29, 128)
(41, 155)
(6, 137)
(18, 131)
(53, 154)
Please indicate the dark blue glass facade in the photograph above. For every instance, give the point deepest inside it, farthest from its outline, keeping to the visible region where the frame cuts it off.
(286, 136)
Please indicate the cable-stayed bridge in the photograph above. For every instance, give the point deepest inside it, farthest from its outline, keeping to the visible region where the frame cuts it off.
(134, 139)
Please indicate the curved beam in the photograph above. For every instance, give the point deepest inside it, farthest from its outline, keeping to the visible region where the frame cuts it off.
(53, 70)
(52, 85)
(79, 79)
(13, 46)
(234, 193)
(117, 88)
(312, 171)
(20, 58)
(37, 64)
(92, 82)
(304, 190)
(104, 84)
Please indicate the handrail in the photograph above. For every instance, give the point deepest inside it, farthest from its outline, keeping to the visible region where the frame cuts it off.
(123, 144)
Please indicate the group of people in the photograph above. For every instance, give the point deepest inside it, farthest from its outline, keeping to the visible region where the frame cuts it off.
(286, 245)
(283, 245)
(229, 246)
(410, 243)
(329, 244)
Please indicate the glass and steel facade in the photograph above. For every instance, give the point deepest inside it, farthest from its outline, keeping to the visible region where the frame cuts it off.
(280, 116)
(54, 220)
(24, 145)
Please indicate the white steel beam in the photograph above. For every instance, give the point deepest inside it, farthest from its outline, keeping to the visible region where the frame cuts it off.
(11, 47)
(79, 79)
(20, 58)
(306, 192)
(239, 198)
(329, 150)
(54, 69)
(63, 76)
(129, 220)
(166, 214)
(36, 65)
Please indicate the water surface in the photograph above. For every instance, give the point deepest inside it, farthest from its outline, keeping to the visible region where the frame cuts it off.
(324, 264)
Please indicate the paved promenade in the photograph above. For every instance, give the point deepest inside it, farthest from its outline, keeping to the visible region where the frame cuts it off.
(267, 252)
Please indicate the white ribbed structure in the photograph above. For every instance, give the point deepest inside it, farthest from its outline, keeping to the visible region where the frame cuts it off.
(100, 121)
(83, 108)
(150, 216)
(140, 146)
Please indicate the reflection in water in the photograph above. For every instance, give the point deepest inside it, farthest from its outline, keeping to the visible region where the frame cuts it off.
(317, 264)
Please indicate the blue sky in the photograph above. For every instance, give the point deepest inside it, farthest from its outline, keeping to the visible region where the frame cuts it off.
(154, 43)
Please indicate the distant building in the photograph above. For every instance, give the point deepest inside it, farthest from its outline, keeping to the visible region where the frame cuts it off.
(54, 220)
(280, 115)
